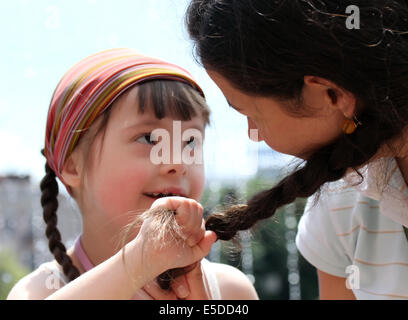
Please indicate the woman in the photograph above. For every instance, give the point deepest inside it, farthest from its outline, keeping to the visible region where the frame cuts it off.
(336, 97)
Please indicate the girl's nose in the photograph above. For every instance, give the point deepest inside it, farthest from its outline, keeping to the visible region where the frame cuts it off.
(253, 132)
(178, 169)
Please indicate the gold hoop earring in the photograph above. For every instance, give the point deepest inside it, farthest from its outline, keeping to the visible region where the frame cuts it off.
(350, 125)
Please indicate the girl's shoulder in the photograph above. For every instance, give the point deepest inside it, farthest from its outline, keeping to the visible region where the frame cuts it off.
(233, 283)
(39, 284)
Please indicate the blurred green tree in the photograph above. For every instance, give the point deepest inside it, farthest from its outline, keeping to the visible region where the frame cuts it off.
(269, 243)
(11, 270)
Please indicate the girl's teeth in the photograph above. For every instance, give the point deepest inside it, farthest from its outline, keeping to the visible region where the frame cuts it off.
(160, 194)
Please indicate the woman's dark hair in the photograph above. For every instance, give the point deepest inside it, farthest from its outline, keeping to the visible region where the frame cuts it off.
(266, 47)
(165, 98)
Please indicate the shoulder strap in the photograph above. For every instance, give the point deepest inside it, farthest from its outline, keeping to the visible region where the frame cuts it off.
(81, 255)
(211, 277)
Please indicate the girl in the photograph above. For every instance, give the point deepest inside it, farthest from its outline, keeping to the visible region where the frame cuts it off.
(325, 81)
(99, 143)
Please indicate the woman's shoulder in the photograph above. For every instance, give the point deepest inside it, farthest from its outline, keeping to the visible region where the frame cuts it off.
(39, 284)
(233, 283)
(338, 195)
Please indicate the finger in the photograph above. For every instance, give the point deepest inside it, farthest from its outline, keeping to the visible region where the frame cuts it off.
(190, 218)
(180, 287)
(204, 246)
(196, 235)
(154, 290)
(171, 203)
(189, 212)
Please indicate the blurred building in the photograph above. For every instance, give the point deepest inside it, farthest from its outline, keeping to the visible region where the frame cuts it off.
(22, 228)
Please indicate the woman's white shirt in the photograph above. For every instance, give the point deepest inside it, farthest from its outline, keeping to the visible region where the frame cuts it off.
(356, 231)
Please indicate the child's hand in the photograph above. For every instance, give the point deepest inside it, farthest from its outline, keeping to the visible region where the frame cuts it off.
(189, 216)
(191, 286)
(196, 283)
(168, 252)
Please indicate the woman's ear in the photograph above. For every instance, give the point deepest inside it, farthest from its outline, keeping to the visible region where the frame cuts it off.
(72, 170)
(331, 95)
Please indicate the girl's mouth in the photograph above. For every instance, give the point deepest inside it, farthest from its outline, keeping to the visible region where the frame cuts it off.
(154, 195)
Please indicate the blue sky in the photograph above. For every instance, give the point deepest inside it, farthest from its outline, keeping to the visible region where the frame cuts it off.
(42, 39)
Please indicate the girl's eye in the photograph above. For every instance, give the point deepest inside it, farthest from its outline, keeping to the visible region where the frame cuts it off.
(192, 143)
(146, 139)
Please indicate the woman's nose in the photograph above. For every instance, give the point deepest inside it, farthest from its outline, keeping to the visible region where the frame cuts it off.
(253, 132)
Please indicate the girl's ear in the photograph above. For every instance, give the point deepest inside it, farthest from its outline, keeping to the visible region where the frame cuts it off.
(331, 95)
(72, 170)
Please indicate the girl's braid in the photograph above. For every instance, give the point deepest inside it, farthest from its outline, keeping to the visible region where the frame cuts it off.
(49, 202)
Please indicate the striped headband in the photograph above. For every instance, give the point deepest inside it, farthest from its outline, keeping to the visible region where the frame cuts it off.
(89, 88)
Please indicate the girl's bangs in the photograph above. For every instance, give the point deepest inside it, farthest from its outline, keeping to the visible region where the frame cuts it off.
(170, 98)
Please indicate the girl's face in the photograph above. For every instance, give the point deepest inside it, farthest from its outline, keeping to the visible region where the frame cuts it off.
(284, 133)
(122, 176)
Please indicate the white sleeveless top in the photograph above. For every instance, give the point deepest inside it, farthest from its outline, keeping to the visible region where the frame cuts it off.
(207, 268)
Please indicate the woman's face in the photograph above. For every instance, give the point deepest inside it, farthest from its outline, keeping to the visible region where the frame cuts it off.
(285, 133)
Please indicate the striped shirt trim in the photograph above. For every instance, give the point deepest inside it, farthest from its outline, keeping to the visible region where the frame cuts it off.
(341, 209)
(393, 295)
(404, 264)
(352, 207)
(367, 230)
